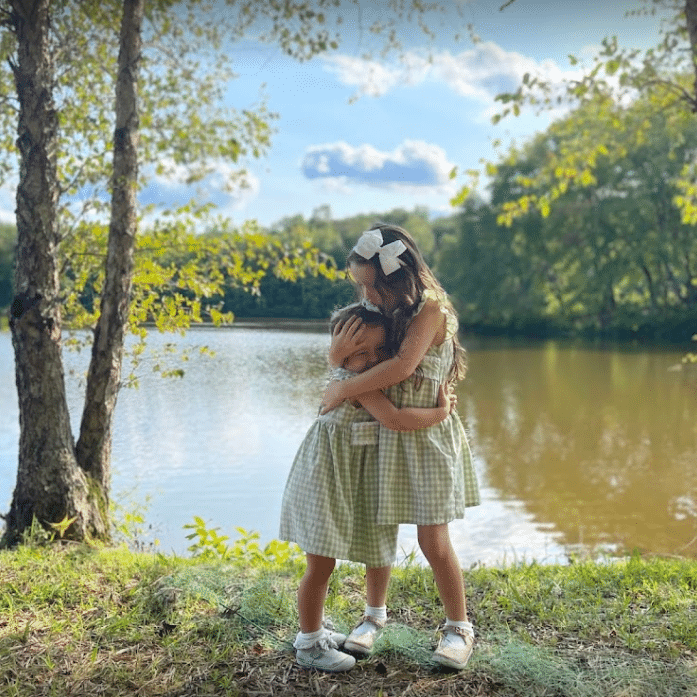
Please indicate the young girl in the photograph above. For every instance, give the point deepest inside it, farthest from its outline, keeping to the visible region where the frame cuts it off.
(425, 477)
(330, 501)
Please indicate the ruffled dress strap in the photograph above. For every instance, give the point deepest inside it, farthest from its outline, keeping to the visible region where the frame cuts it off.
(451, 323)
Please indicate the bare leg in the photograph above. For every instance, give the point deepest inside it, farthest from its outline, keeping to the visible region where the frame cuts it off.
(312, 592)
(361, 639)
(377, 579)
(434, 541)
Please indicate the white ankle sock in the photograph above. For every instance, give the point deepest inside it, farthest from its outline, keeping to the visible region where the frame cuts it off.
(467, 626)
(379, 613)
(306, 640)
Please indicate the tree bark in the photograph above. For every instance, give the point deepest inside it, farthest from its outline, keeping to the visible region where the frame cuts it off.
(50, 486)
(104, 376)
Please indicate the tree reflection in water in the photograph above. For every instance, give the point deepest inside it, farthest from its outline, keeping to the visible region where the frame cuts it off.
(600, 442)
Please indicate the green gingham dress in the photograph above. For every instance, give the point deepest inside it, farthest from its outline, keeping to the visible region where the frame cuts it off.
(426, 477)
(330, 500)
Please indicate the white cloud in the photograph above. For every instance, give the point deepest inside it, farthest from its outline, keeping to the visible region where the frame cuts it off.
(228, 188)
(337, 186)
(239, 198)
(413, 164)
(374, 79)
(479, 73)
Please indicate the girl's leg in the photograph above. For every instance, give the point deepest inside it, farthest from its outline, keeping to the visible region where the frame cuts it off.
(377, 579)
(434, 541)
(457, 641)
(362, 638)
(312, 592)
(315, 647)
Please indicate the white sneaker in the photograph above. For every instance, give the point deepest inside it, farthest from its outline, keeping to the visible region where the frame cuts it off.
(362, 638)
(329, 660)
(322, 653)
(454, 648)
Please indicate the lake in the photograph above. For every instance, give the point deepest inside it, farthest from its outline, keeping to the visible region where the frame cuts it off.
(578, 448)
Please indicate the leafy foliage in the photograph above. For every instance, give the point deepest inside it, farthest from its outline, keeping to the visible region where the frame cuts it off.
(182, 276)
(187, 133)
(590, 225)
(612, 250)
(208, 545)
(663, 77)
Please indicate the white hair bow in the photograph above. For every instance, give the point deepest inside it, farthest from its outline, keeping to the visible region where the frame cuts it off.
(370, 243)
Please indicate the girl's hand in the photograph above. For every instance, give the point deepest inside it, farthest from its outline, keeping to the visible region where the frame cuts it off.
(447, 399)
(347, 338)
(332, 397)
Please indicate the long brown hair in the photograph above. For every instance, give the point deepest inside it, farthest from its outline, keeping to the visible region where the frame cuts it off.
(406, 287)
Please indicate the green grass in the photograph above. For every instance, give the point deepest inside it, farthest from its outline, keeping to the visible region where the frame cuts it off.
(81, 621)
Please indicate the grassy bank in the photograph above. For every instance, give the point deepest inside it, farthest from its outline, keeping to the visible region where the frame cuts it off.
(80, 621)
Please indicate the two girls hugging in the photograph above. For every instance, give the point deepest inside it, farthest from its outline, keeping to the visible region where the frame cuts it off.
(388, 447)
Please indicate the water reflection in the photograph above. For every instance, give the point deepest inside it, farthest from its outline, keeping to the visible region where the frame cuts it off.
(575, 447)
(599, 443)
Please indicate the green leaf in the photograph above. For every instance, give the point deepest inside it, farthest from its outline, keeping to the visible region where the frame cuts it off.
(612, 66)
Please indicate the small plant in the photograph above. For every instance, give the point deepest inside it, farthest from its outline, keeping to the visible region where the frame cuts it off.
(208, 544)
(128, 525)
(280, 552)
(37, 535)
(62, 526)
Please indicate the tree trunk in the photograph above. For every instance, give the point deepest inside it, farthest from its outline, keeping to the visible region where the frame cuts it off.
(649, 283)
(104, 376)
(50, 486)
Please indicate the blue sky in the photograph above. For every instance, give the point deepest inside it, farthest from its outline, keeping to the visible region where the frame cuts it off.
(395, 144)
(367, 136)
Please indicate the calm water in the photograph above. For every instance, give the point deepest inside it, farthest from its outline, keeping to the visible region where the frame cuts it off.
(576, 448)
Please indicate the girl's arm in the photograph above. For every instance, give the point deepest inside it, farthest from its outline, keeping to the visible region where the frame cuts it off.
(418, 339)
(408, 418)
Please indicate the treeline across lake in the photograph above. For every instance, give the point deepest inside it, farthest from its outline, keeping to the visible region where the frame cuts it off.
(607, 249)
(611, 256)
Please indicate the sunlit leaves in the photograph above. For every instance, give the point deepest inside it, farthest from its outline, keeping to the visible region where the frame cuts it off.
(187, 131)
(593, 223)
(180, 275)
(663, 77)
(686, 199)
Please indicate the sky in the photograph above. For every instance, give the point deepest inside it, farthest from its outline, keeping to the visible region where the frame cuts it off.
(367, 136)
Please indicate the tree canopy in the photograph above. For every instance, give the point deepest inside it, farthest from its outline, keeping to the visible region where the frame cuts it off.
(594, 219)
(664, 77)
(612, 254)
